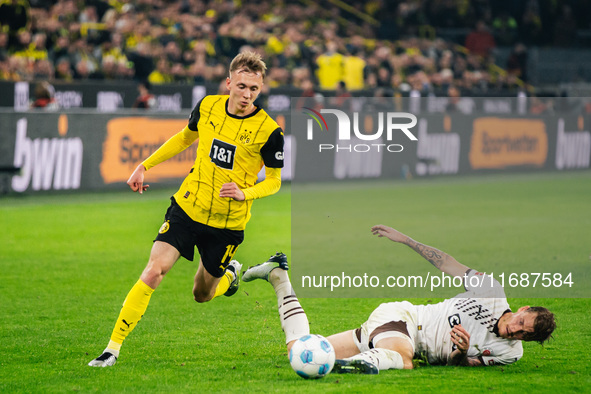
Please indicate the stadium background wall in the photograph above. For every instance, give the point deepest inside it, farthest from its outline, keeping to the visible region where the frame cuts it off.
(114, 96)
(89, 150)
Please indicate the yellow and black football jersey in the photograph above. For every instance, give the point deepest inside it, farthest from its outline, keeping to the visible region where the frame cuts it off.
(231, 149)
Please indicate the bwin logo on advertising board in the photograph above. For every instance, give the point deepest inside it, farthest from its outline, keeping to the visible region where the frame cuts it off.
(344, 130)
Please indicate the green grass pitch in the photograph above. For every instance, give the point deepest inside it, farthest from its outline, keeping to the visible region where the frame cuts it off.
(68, 261)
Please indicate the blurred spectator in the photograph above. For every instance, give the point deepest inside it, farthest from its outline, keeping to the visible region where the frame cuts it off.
(38, 50)
(353, 66)
(446, 60)
(383, 78)
(44, 97)
(447, 78)
(454, 98)
(218, 73)
(63, 70)
(145, 99)
(22, 42)
(420, 82)
(276, 77)
(330, 67)
(198, 71)
(109, 68)
(43, 70)
(5, 74)
(371, 80)
(480, 41)
(456, 103)
(173, 52)
(111, 48)
(88, 14)
(124, 69)
(459, 66)
(299, 75)
(141, 59)
(86, 70)
(83, 55)
(161, 74)
(13, 69)
(517, 62)
(398, 84)
(60, 48)
(179, 73)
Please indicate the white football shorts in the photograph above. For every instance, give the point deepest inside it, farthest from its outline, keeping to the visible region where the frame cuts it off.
(389, 320)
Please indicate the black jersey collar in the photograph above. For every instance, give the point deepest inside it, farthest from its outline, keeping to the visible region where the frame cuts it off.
(496, 327)
(253, 113)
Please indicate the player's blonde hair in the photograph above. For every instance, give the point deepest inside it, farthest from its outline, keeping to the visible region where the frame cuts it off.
(249, 61)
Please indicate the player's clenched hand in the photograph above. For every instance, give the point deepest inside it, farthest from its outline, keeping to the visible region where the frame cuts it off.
(231, 190)
(384, 231)
(136, 180)
(460, 338)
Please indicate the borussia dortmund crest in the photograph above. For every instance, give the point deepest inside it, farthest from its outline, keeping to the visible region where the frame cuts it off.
(164, 228)
(246, 137)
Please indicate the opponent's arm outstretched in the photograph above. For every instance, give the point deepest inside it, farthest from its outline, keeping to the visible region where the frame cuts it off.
(439, 259)
(446, 263)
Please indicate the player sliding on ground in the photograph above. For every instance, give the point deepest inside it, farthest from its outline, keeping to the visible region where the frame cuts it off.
(474, 328)
(212, 206)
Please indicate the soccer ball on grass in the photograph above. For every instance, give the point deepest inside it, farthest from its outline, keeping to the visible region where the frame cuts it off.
(312, 356)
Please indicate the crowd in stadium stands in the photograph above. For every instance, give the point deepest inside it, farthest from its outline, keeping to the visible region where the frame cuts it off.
(307, 44)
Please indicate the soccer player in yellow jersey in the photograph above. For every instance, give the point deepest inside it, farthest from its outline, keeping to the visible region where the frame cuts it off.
(211, 208)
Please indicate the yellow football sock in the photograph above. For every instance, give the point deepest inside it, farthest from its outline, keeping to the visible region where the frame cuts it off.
(224, 284)
(133, 309)
(114, 346)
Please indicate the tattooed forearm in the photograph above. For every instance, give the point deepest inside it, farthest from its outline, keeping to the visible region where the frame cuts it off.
(432, 255)
(440, 260)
